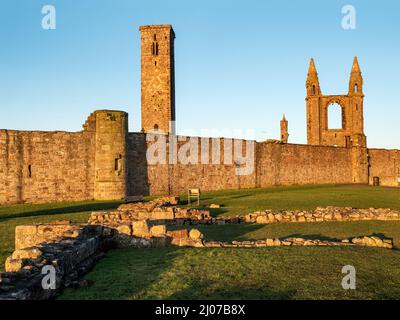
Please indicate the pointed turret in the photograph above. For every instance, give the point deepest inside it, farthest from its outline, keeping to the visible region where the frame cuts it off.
(311, 67)
(312, 83)
(356, 80)
(356, 66)
(284, 130)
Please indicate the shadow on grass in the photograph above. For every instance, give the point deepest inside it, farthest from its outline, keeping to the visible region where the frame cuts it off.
(239, 196)
(141, 274)
(313, 237)
(199, 290)
(60, 210)
(113, 277)
(228, 232)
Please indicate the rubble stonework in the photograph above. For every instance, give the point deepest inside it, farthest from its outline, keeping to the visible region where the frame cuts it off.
(73, 249)
(322, 214)
(160, 210)
(361, 241)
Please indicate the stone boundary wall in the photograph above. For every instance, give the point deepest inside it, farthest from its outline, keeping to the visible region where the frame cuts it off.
(275, 164)
(106, 162)
(384, 164)
(38, 166)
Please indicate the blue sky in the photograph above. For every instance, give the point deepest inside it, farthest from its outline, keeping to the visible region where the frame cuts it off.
(239, 64)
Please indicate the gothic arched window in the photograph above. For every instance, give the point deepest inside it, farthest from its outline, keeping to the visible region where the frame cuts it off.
(335, 116)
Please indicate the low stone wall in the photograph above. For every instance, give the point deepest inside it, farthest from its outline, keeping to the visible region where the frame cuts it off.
(72, 250)
(322, 214)
(370, 241)
(161, 211)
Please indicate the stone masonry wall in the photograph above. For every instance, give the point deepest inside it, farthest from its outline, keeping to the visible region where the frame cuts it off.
(385, 164)
(98, 164)
(46, 166)
(289, 164)
(275, 164)
(145, 179)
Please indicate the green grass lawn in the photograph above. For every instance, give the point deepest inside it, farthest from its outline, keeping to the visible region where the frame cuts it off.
(229, 273)
(242, 273)
(300, 197)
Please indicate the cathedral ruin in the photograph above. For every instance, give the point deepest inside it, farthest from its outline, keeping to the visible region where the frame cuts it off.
(105, 161)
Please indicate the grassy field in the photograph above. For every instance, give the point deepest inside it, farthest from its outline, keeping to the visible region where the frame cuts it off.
(253, 273)
(301, 197)
(242, 273)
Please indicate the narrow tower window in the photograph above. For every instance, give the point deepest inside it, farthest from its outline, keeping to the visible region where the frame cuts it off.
(30, 171)
(154, 49)
(118, 163)
(356, 88)
(313, 90)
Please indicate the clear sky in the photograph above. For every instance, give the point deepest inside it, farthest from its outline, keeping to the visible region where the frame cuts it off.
(239, 64)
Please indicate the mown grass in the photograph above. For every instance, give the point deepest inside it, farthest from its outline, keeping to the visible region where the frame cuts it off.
(300, 197)
(242, 273)
(254, 273)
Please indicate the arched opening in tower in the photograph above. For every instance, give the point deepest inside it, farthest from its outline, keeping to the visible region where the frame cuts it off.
(335, 116)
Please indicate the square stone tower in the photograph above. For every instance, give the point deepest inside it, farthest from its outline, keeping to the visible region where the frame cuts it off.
(158, 78)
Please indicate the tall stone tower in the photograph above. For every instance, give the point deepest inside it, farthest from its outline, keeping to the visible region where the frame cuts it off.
(158, 78)
(319, 131)
(284, 130)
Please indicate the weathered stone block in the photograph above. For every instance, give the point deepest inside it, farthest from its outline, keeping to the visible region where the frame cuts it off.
(141, 228)
(195, 234)
(159, 230)
(27, 253)
(13, 265)
(125, 229)
(179, 234)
